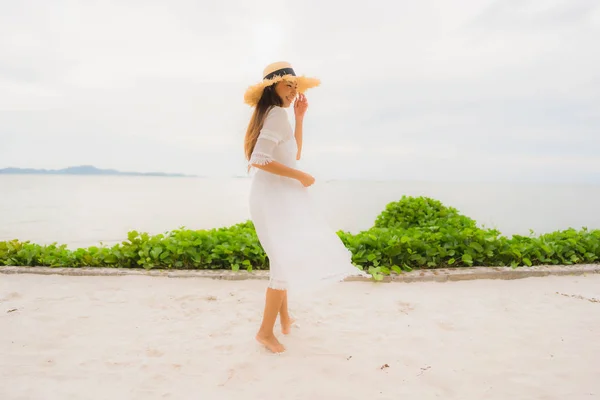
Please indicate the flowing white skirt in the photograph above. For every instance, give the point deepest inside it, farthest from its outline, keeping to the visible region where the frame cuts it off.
(305, 254)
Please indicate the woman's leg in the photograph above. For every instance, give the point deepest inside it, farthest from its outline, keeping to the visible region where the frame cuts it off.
(284, 316)
(265, 335)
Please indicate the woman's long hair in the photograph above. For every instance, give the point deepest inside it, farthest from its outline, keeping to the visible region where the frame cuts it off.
(268, 99)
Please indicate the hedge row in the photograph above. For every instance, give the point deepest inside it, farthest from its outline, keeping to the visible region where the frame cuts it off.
(415, 232)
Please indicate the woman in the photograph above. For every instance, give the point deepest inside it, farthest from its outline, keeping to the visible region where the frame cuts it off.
(304, 253)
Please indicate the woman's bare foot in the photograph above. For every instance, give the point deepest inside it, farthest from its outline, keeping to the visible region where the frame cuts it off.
(270, 342)
(286, 325)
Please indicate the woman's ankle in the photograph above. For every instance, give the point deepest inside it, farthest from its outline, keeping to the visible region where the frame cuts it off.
(263, 332)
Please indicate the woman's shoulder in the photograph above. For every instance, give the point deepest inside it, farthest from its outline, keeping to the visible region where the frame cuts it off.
(277, 111)
(277, 123)
(277, 115)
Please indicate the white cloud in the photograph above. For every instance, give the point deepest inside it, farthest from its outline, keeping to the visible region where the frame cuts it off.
(412, 90)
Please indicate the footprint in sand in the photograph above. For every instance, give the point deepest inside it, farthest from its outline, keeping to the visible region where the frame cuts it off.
(405, 307)
(446, 326)
(188, 297)
(224, 347)
(11, 296)
(117, 364)
(154, 353)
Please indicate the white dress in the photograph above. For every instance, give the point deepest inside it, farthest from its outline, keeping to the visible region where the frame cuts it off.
(304, 252)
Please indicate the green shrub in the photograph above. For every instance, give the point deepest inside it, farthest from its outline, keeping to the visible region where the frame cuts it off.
(412, 212)
(408, 234)
(222, 248)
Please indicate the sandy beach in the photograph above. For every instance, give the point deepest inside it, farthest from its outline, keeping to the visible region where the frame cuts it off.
(136, 337)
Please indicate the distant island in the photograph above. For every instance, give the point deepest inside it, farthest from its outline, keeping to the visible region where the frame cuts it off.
(82, 170)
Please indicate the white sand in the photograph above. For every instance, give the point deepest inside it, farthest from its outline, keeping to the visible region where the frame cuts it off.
(159, 338)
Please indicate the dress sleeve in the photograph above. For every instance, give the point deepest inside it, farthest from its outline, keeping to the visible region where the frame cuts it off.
(271, 134)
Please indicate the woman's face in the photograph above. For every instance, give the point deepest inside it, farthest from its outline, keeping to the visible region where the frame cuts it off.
(286, 91)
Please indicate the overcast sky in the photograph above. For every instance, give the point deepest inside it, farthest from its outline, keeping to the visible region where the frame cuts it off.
(465, 90)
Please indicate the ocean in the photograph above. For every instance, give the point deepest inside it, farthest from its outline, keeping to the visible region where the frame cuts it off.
(81, 211)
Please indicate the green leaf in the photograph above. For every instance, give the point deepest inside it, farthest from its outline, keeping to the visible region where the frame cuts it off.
(155, 252)
(476, 246)
(132, 235)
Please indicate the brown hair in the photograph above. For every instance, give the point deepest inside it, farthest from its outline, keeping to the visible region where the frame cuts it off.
(268, 99)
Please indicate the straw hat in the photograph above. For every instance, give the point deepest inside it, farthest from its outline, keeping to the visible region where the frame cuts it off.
(274, 73)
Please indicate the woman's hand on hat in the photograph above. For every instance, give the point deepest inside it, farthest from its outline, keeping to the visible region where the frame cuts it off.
(300, 106)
